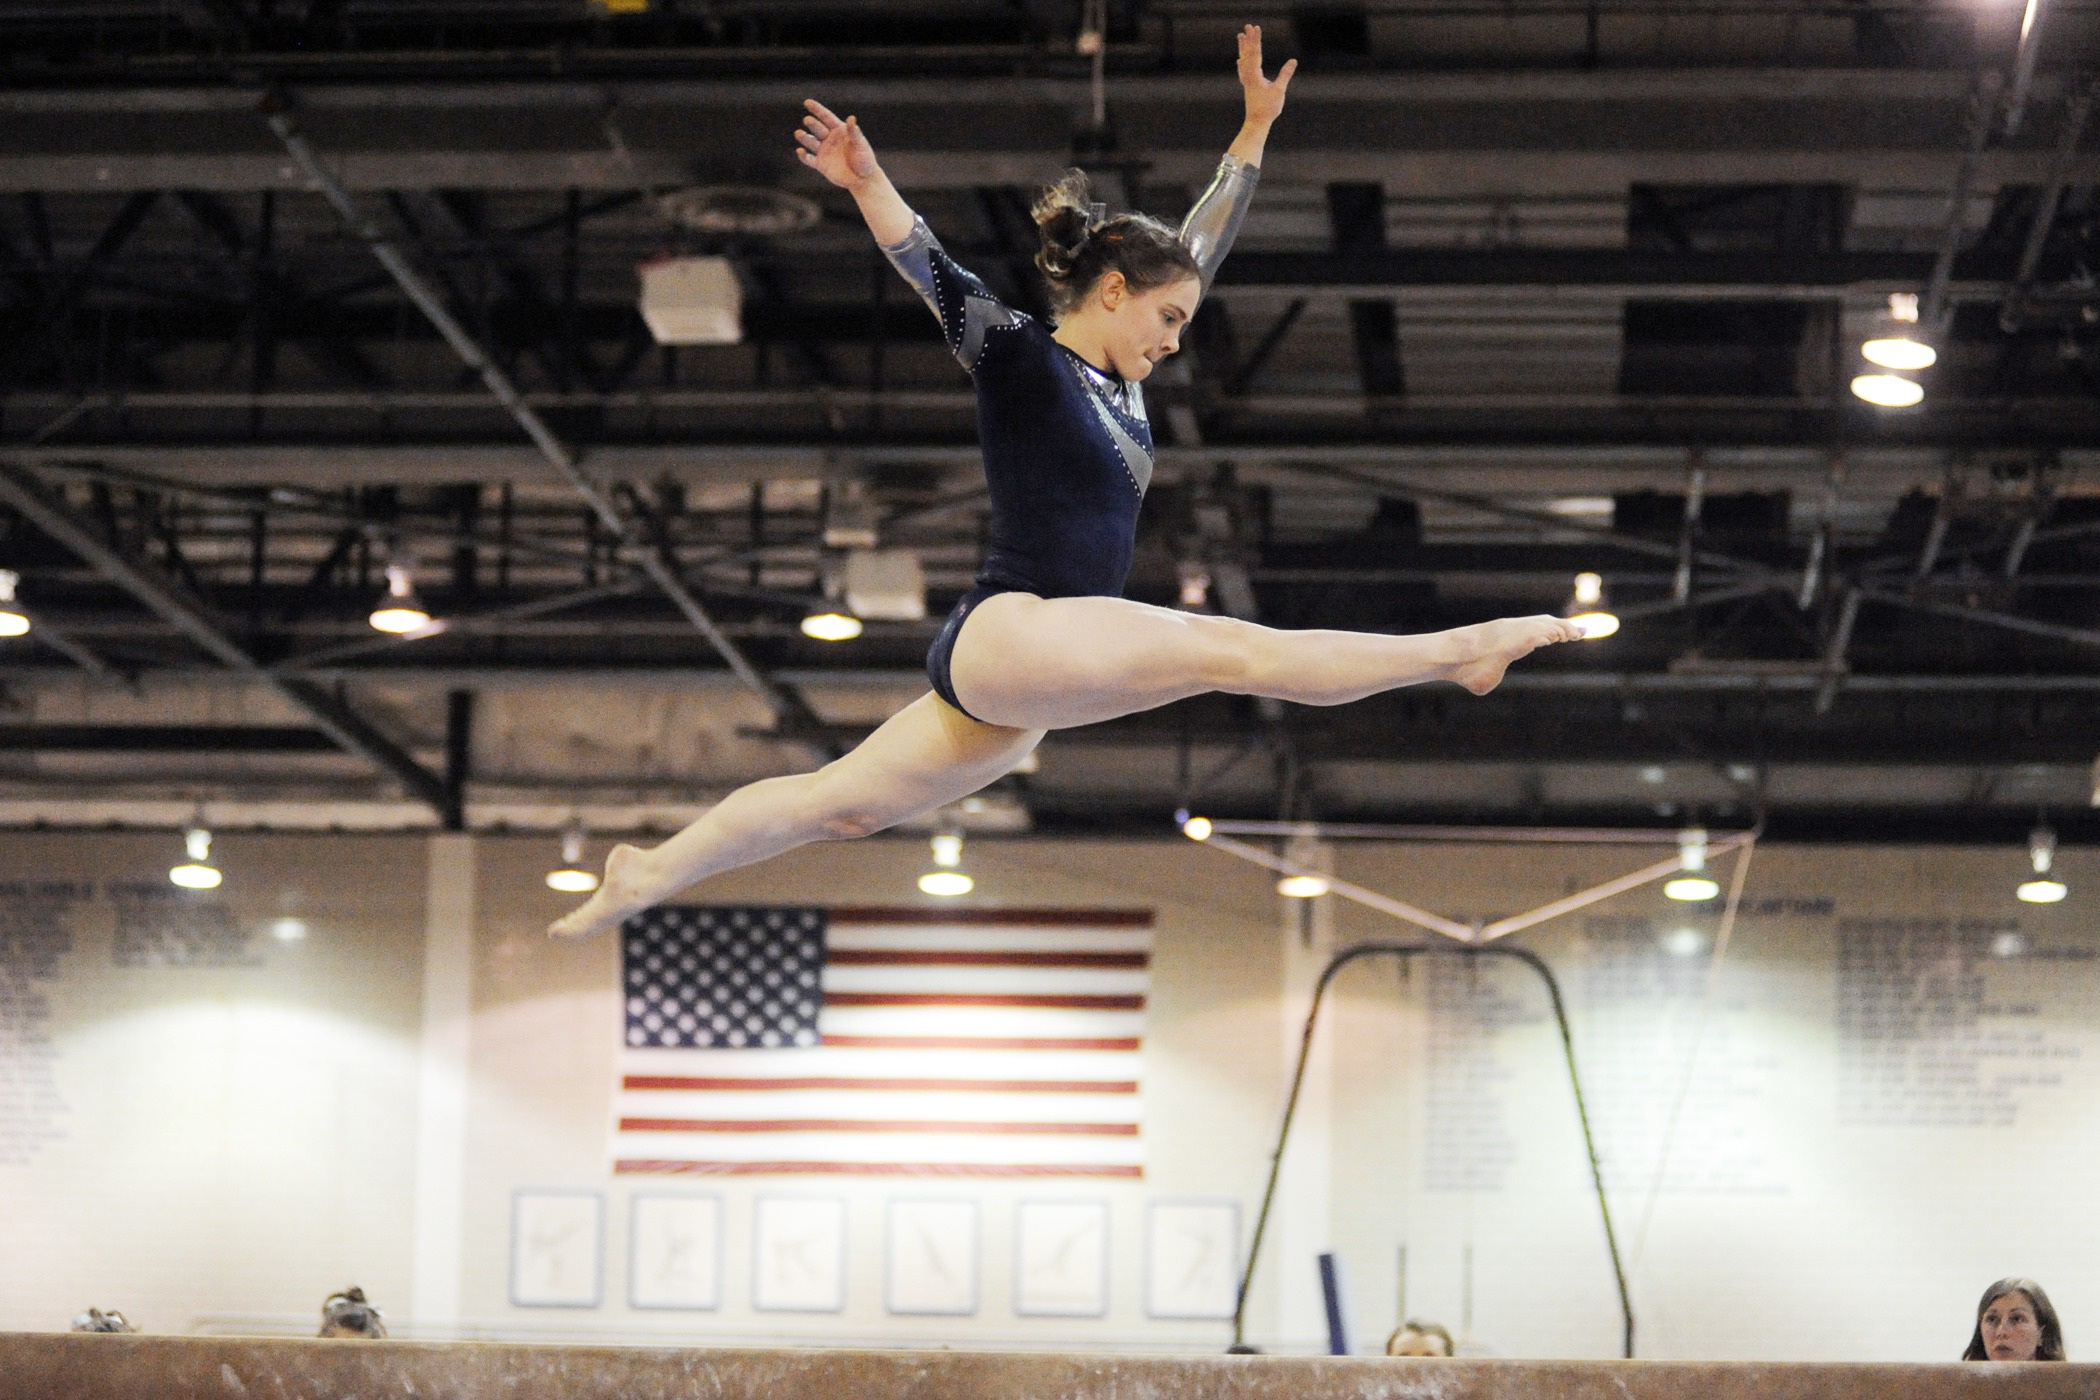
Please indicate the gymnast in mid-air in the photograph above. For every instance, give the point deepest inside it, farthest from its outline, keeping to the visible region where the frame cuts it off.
(1045, 640)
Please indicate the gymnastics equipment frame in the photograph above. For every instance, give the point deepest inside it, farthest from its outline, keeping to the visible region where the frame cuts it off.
(1406, 952)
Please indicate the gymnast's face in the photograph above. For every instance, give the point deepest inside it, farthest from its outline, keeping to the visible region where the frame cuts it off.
(1142, 328)
(2011, 1332)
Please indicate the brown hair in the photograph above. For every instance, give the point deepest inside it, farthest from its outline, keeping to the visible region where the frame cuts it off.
(2051, 1346)
(1081, 245)
(1421, 1328)
(348, 1314)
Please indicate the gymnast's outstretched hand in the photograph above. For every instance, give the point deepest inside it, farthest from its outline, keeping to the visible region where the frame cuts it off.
(1264, 95)
(839, 151)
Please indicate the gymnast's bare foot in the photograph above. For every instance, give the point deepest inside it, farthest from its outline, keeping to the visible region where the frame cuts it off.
(621, 893)
(1490, 647)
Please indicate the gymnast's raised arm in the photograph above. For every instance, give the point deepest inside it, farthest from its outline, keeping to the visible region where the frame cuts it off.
(1211, 226)
(839, 151)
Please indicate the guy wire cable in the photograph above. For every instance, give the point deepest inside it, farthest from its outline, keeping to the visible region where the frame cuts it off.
(1737, 878)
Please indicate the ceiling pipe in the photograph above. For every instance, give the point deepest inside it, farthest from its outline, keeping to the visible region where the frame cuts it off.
(2024, 58)
(2058, 179)
(1983, 108)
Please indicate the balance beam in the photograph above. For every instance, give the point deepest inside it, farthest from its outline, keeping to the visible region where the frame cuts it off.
(62, 1366)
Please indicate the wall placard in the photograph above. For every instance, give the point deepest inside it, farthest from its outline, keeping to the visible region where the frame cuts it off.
(557, 1249)
(930, 1265)
(1192, 1251)
(798, 1255)
(1061, 1259)
(674, 1252)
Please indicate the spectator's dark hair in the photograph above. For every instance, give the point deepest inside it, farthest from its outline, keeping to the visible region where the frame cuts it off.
(2051, 1347)
(1427, 1329)
(1081, 244)
(347, 1314)
(96, 1320)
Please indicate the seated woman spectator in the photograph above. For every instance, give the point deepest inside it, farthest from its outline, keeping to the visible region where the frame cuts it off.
(347, 1314)
(2015, 1322)
(1415, 1337)
(96, 1320)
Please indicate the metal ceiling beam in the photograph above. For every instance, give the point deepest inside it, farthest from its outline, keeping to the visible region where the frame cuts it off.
(194, 739)
(349, 730)
(1435, 132)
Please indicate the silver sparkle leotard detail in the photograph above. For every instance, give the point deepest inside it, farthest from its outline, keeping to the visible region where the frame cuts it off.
(1067, 447)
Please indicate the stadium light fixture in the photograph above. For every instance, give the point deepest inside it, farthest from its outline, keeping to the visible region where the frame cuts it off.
(196, 873)
(1587, 609)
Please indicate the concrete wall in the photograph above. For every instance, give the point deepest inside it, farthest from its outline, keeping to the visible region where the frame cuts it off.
(1895, 1097)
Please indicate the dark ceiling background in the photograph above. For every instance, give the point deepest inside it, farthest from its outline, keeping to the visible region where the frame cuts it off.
(1530, 288)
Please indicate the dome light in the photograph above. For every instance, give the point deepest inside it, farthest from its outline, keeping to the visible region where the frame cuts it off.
(2043, 888)
(197, 873)
(1888, 390)
(1897, 348)
(1694, 886)
(1303, 886)
(1588, 610)
(572, 877)
(13, 621)
(831, 626)
(1899, 352)
(400, 611)
(945, 880)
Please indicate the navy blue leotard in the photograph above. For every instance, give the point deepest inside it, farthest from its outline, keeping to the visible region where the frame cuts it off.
(1067, 448)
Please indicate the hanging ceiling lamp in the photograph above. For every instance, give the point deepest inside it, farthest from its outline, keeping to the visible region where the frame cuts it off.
(1895, 344)
(400, 610)
(2044, 888)
(196, 873)
(829, 626)
(945, 879)
(13, 621)
(1303, 886)
(1587, 609)
(1694, 885)
(572, 876)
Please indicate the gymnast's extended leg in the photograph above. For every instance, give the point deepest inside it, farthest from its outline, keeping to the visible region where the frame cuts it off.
(1027, 664)
(924, 756)
(1055, 663)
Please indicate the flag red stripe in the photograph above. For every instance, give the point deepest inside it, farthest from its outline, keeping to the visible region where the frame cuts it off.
(1006, 918)
(668, 1167)
(1063, 1003)
(978, 1042)
(872, 1125)
(983, 1086)
(912, 957)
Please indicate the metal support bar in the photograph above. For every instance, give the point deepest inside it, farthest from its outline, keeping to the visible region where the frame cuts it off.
(1983, 110)
(2075, 117)
(1745, 569)
(350, 731)
(2030, 49)
(1989, 617)
(1406, 952)
(788, 708)
(459, 748)
(1834, 654)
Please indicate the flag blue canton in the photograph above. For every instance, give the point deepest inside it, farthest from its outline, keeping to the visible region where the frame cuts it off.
(723, 976)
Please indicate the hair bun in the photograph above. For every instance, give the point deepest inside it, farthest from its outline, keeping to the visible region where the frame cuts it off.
(1066, 217)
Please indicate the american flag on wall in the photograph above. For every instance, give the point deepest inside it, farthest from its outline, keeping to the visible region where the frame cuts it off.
(882, 1042)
